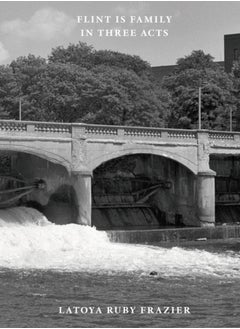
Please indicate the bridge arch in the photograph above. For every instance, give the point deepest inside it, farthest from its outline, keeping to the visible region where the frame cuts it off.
(37, 151)
(152, 189)
(187, 162)
(31, 162)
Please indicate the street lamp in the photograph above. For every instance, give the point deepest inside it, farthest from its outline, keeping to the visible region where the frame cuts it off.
(230, 119)
(20, 109)
(199, 108)
(202, 85)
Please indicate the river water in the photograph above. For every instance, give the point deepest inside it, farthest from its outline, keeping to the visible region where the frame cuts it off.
(72, 276)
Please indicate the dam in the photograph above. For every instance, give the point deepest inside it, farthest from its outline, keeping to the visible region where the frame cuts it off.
(121, 178)
(140, 186)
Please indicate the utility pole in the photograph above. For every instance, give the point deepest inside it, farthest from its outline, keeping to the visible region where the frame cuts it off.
(199, 109)
(230, 119)
(20, 108)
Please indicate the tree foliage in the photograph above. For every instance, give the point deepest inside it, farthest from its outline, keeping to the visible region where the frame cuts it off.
(236, 82)
(8, 92)
(217, 97)
(80, 84)
(86, 56)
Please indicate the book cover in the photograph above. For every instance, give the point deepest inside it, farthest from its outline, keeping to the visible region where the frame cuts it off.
(119, 164)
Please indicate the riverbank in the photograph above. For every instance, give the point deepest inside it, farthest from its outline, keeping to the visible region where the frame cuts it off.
(176, 236)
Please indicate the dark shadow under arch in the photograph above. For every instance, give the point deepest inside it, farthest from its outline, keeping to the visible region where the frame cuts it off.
(142, 191)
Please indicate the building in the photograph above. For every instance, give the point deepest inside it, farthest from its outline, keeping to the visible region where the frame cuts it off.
(231, 50)
(159, 72)
(231, 54)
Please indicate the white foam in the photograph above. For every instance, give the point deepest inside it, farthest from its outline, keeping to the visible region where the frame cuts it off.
(23, 216)
(28, 240)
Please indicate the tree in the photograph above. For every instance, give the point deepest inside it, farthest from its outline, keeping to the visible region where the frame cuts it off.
(194, 71)
(80, 54)
(86, 56)
(121, 97)
(80, 84)
(26, 72)
(236, 81)
(197, 61)
(119, 89)
(8, 93)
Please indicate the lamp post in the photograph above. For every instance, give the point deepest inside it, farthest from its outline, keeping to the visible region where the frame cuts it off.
(230, 119)
(199, 108)
(20, 109)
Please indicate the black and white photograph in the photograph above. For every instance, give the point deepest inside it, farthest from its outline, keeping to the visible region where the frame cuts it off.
(119, 164)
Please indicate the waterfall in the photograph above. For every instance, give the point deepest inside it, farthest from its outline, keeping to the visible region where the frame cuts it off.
(29, 241)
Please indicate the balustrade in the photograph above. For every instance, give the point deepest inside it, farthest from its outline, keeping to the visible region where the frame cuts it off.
(52, 128)
(142, 132)
(182, 134)
(12, 126)
(221, 135)
(104, 131)
(100, 130)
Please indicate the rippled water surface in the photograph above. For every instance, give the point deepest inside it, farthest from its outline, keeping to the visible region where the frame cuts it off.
(45, 268)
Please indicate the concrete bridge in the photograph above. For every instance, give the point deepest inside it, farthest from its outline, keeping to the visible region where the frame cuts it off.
(80, 148)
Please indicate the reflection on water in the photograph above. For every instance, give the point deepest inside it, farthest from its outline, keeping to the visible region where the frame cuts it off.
(44, 266)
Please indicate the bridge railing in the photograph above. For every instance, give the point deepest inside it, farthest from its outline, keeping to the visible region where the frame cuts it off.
(223, 135)
(130, 132)
(58, 129)
(35, 127)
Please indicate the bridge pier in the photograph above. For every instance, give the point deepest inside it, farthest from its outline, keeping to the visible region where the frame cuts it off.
(206, 197)
(82, 184)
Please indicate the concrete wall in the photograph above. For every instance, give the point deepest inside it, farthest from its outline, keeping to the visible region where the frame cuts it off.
(181, 198)
(186, 154)
(227, 168)
(57, 199)
(179, 236)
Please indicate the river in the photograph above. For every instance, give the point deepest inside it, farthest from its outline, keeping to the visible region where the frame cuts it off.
(73, 276)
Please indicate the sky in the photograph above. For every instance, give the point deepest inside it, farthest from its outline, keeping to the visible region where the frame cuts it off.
(39, 26)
